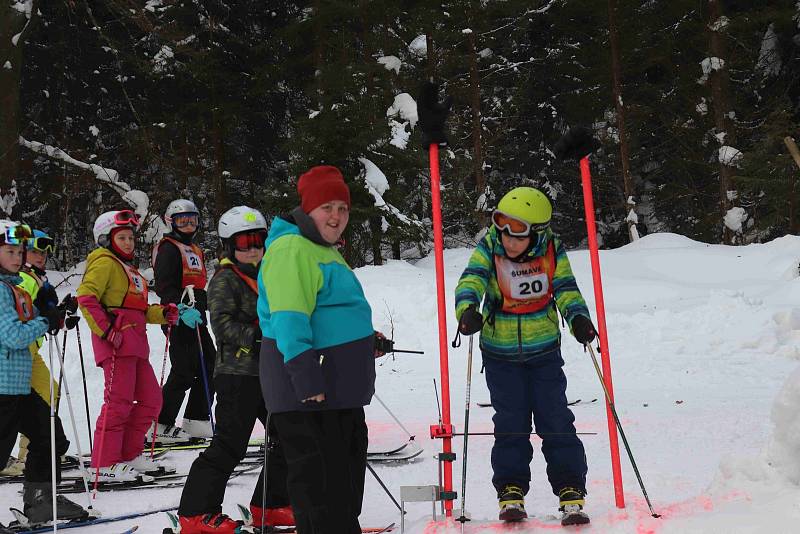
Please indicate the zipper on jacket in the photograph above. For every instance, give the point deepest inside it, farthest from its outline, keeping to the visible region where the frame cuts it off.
(519, 334)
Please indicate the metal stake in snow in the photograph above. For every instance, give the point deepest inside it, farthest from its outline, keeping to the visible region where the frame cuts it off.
(578, 143)
(444, 430)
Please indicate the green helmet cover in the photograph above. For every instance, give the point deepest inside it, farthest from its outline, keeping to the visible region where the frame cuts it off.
(527, 204)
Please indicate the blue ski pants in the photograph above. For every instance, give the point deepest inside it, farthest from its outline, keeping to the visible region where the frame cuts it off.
(533, 389)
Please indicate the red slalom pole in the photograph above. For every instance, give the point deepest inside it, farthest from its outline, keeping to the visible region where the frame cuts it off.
(444, 430)
(591, 228)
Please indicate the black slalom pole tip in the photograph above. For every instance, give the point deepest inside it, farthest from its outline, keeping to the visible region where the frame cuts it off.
(577, 143)
(656, 515)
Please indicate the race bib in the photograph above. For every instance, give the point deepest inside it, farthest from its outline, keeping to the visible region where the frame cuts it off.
(193, 261)
(530, 286)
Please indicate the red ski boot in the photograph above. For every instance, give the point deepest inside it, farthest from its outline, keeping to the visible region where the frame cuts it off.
(273, 517)
(209, 524)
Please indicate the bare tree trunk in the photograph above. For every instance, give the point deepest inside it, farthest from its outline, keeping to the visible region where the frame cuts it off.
(719, 84)
(624, 143)
(477, 130)
(13, 24)
(793, 150)
(430, 68)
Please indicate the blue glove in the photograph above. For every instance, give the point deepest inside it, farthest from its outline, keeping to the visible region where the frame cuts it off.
(189, 316)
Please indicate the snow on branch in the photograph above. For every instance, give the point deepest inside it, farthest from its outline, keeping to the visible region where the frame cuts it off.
(25, 7)
(153, 226)
(376, 183)
(103, 174)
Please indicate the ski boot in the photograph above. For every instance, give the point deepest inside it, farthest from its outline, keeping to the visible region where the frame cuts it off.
(168, 435)
(571, 504)
(512, 503)
(119, 473)
(273, 517)
(13, 468)
(196, 428)
(218, 523)
(37, 498)
(146, 465)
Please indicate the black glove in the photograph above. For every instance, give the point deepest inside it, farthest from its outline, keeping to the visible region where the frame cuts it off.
(384, 345)
(471, 321)
(71, 321)
(46, 298)
(69, 303)
(432, 114)
(575, 144)
(55, 319)
(583, 329)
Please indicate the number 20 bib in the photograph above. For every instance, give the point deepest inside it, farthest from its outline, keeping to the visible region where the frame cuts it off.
(526, 286)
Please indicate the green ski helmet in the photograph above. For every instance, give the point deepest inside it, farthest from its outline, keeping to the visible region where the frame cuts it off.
(526, 204)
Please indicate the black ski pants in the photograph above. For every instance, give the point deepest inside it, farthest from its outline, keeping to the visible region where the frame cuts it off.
(326, 453)
(184, 356)
(239, 406)
(30, 415)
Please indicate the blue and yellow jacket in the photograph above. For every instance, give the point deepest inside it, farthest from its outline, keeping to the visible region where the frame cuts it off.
(510, 336)
(316, 322)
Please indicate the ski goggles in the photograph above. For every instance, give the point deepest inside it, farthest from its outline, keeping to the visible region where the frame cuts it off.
(246, 241)
(183, 220)
(17, 235)
(42, 244)
(126, 218)
(515, 227)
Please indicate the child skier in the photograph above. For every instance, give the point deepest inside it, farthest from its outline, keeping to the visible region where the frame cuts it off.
(232, 298)
(177, 264)
(113, 299)
(34, 282)
(21, 409)
(521, 273)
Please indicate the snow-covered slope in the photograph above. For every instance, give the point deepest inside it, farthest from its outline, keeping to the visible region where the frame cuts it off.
(703, 341)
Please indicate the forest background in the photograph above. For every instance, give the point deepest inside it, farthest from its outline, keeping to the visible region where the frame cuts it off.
(124, 103)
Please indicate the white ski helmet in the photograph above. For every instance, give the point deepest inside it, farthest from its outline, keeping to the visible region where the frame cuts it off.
(110, 220)
(240, 219)
(179, 206)
(13, 233)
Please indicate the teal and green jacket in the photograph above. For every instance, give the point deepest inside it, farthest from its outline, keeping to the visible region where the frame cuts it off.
(510, 336)
(316, 322)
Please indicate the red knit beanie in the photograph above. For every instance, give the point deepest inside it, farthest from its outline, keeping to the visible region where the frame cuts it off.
(321, 184)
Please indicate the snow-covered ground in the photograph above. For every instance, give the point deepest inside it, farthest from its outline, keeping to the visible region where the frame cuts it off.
(704, 347)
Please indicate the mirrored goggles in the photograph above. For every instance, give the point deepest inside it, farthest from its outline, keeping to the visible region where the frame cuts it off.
(182, 220)
(515, 227)
(17, 235)
(42, 244)
(126, 218)
(244, 242)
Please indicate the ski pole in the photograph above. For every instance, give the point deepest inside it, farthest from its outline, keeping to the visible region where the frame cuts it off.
(408, 351)
(85, 393)
(389, 493)
(60, 372)
(160, 386)
(106, 404)
(189, 291)
(463, 517)
(204, 374)
(264, 470)
(396, 420)
(53, 475)
(621, 432)
(74, 426)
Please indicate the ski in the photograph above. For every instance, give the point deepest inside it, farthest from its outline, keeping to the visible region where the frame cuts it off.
(247, 519)
(390, 451)
(188, 446)
(576, 402)
(75, 485)
(388, 458)
(20, 529)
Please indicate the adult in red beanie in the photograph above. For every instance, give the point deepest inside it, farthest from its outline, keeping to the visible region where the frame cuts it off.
(317, 360)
